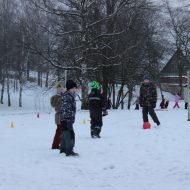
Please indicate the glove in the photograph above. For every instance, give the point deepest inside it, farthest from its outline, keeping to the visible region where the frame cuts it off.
(105, 113)
(64, 125)
(154, 105)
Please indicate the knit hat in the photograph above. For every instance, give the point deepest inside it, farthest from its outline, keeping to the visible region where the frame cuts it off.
(94, 85)
(71, 84)
(147, 77)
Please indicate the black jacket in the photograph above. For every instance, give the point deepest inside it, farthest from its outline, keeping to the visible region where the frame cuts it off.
(96, 101)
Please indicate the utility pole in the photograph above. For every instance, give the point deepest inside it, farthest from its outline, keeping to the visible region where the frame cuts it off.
(188, 91)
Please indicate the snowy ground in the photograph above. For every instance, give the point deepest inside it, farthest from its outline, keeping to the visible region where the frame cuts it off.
(125, 158)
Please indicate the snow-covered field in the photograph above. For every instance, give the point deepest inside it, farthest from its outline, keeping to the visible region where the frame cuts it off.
(125, 158)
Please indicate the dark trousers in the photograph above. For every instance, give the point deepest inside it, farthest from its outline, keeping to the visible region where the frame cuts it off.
(166, 104)
(137, 107)
(57, 137)
(149, 110)
(186, 105)
(67, 138)
(96, 122)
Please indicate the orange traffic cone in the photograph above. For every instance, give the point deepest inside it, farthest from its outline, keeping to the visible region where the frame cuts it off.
(146, 125)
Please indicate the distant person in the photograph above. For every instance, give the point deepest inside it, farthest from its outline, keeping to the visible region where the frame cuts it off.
(56, 104)
(148, 99)
(136, 103)
(177, 99)
(186, 105)
(185, 96)
(164, 103)
(96, 107)
(68, 111)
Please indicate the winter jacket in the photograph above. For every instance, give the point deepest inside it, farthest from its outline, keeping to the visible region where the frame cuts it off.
(68, 107)
(177, 98)
(148, 95)
(56, 104)
(96, 101)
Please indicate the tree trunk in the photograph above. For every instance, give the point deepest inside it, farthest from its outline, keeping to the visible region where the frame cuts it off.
(105, 83)
(130, 98)
(114, 106)
(2, 88)
(84, 105)
(40, 78)
(16, 85)
(20, 93)
(27, 67)
(58, 75)
(122, 100)
(39, 74)
(47, 79)
(8, 90)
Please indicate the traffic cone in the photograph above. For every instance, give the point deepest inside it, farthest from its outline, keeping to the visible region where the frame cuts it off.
(146, 125)
(12, 125)
(38, 115)
(84, 122)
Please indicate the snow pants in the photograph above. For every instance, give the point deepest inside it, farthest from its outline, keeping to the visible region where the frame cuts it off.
(149, 110)
(176, 105)
(96, 122)
(186, 105)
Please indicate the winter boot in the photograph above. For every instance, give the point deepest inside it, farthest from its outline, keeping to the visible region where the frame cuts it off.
(146, 125)
(92, 133)
(96, 136)
(72, 153)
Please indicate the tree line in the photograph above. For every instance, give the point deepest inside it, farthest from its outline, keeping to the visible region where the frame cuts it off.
(111, 41)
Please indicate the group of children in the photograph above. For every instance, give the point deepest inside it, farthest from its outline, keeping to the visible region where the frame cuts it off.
(65, 107)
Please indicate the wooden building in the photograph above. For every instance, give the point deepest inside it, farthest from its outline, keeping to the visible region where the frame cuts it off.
(177, 66)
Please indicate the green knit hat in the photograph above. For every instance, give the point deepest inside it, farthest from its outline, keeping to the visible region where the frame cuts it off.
(94, 85)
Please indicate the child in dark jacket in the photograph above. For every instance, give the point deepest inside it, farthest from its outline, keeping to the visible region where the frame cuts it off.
(148, 99)
(96, 107)
(68, 110)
